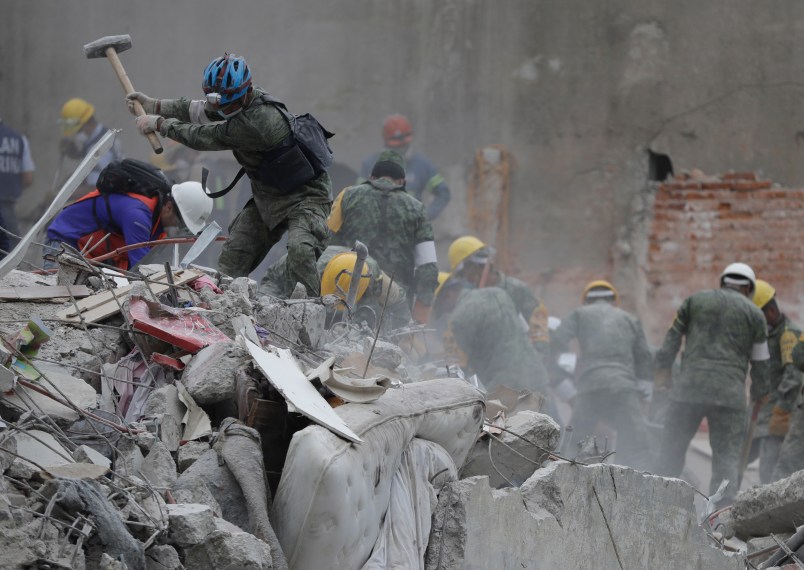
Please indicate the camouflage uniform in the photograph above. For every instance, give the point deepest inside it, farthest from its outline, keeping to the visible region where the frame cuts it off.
(259, 128)
(785, 383)
(614, 355)
(397, 313)
(486, 327)
(791, 454)
(394, 226)
(531, 308)
(723, 330)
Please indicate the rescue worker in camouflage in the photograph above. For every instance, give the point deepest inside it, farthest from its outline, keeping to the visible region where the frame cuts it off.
(468, 257)
(791, 454)
(380, 291)
(614, 356)
(722, 332)
(487, 334)
(394, 226)
(241, 120)
(773, 420)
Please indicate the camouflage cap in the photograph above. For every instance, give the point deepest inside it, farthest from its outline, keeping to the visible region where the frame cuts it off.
(391, 164)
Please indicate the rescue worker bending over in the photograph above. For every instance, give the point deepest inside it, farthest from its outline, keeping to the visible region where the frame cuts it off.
(470, 259)
(138, 206)
(394, 226)
(336, 266)
(485, 337)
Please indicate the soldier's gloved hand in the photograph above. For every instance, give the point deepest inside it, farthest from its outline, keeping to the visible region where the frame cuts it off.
(421, 312)
(662, 379)
(149, 104)
(779, 423)
(147, 124)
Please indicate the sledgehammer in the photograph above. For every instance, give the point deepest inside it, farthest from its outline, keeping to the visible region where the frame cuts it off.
(109, 47)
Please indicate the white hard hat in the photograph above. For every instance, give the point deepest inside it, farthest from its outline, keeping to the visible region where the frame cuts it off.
(739, 270)
(193, 203)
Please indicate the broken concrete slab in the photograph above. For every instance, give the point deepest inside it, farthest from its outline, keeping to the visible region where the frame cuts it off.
(507, 453)
(386, 355)
(774, 508)
(164, 400)
(223, 549)
(79, 392)
(292, 321)
(158, 468)
(42, 449)
(9, 443)
(210, 375)
(189, 523)
(190, 452)
(85, 454)
(209, 476)
(162, 557)
(572, 516)
(129, 458)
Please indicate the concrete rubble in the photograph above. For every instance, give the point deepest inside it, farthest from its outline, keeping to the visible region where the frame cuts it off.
(203, 462)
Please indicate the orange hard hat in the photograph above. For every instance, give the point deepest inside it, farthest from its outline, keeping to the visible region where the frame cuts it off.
(397, 131)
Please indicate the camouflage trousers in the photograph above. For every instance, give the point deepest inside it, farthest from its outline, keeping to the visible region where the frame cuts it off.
(791, 455)
(250, 239)
(726, 436)
(622, 410)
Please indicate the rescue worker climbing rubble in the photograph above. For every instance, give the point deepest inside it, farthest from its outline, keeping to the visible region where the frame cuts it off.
(421, 177)
(134, 203)
(471, 259)
(614, 356)
(289, 192)
(773, 420)
(335, 267)
(394, 226)
(723, 332)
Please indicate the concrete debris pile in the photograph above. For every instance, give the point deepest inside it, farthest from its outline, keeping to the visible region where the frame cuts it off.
(181, 422)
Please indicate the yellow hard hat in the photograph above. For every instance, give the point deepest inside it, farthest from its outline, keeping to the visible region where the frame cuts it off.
(337, 276)
(74, 114)
(599, 284)
(763, 293)
(442, 278)
(462, 248)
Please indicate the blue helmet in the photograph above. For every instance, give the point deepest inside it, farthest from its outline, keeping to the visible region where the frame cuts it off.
(227, 76)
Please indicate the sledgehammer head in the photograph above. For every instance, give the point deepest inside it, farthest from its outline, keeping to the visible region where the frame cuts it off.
(98, 47)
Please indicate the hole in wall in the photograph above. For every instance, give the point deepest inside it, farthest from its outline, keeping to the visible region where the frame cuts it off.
(660, 167)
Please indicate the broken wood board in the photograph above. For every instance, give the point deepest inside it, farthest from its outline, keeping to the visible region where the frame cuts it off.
(103, 305)
(280, 368)
(43, 292)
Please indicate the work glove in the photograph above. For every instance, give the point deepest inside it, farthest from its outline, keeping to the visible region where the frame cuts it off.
(779, 422)
(147, 124)
(149, 105)
(421, 312)
(662, 379)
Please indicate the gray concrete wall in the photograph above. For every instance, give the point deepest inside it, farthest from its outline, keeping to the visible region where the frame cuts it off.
(578, 90)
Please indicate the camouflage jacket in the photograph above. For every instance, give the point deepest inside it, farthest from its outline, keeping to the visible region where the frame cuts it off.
(784, 379)
(486, 327)
(614, 351)
(257, 129)
(723, 331)
(531, 308)
(394, 226)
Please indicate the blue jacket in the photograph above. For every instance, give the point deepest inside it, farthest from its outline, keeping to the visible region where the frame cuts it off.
(420, 177)
(130, 217)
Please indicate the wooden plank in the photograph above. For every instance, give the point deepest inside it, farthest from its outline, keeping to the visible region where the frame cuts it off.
(44, 292)
(103, 305)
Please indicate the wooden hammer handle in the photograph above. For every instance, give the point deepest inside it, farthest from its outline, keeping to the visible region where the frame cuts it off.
(111, 55)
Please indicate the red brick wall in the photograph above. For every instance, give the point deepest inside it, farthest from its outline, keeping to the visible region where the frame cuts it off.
(702, 223)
